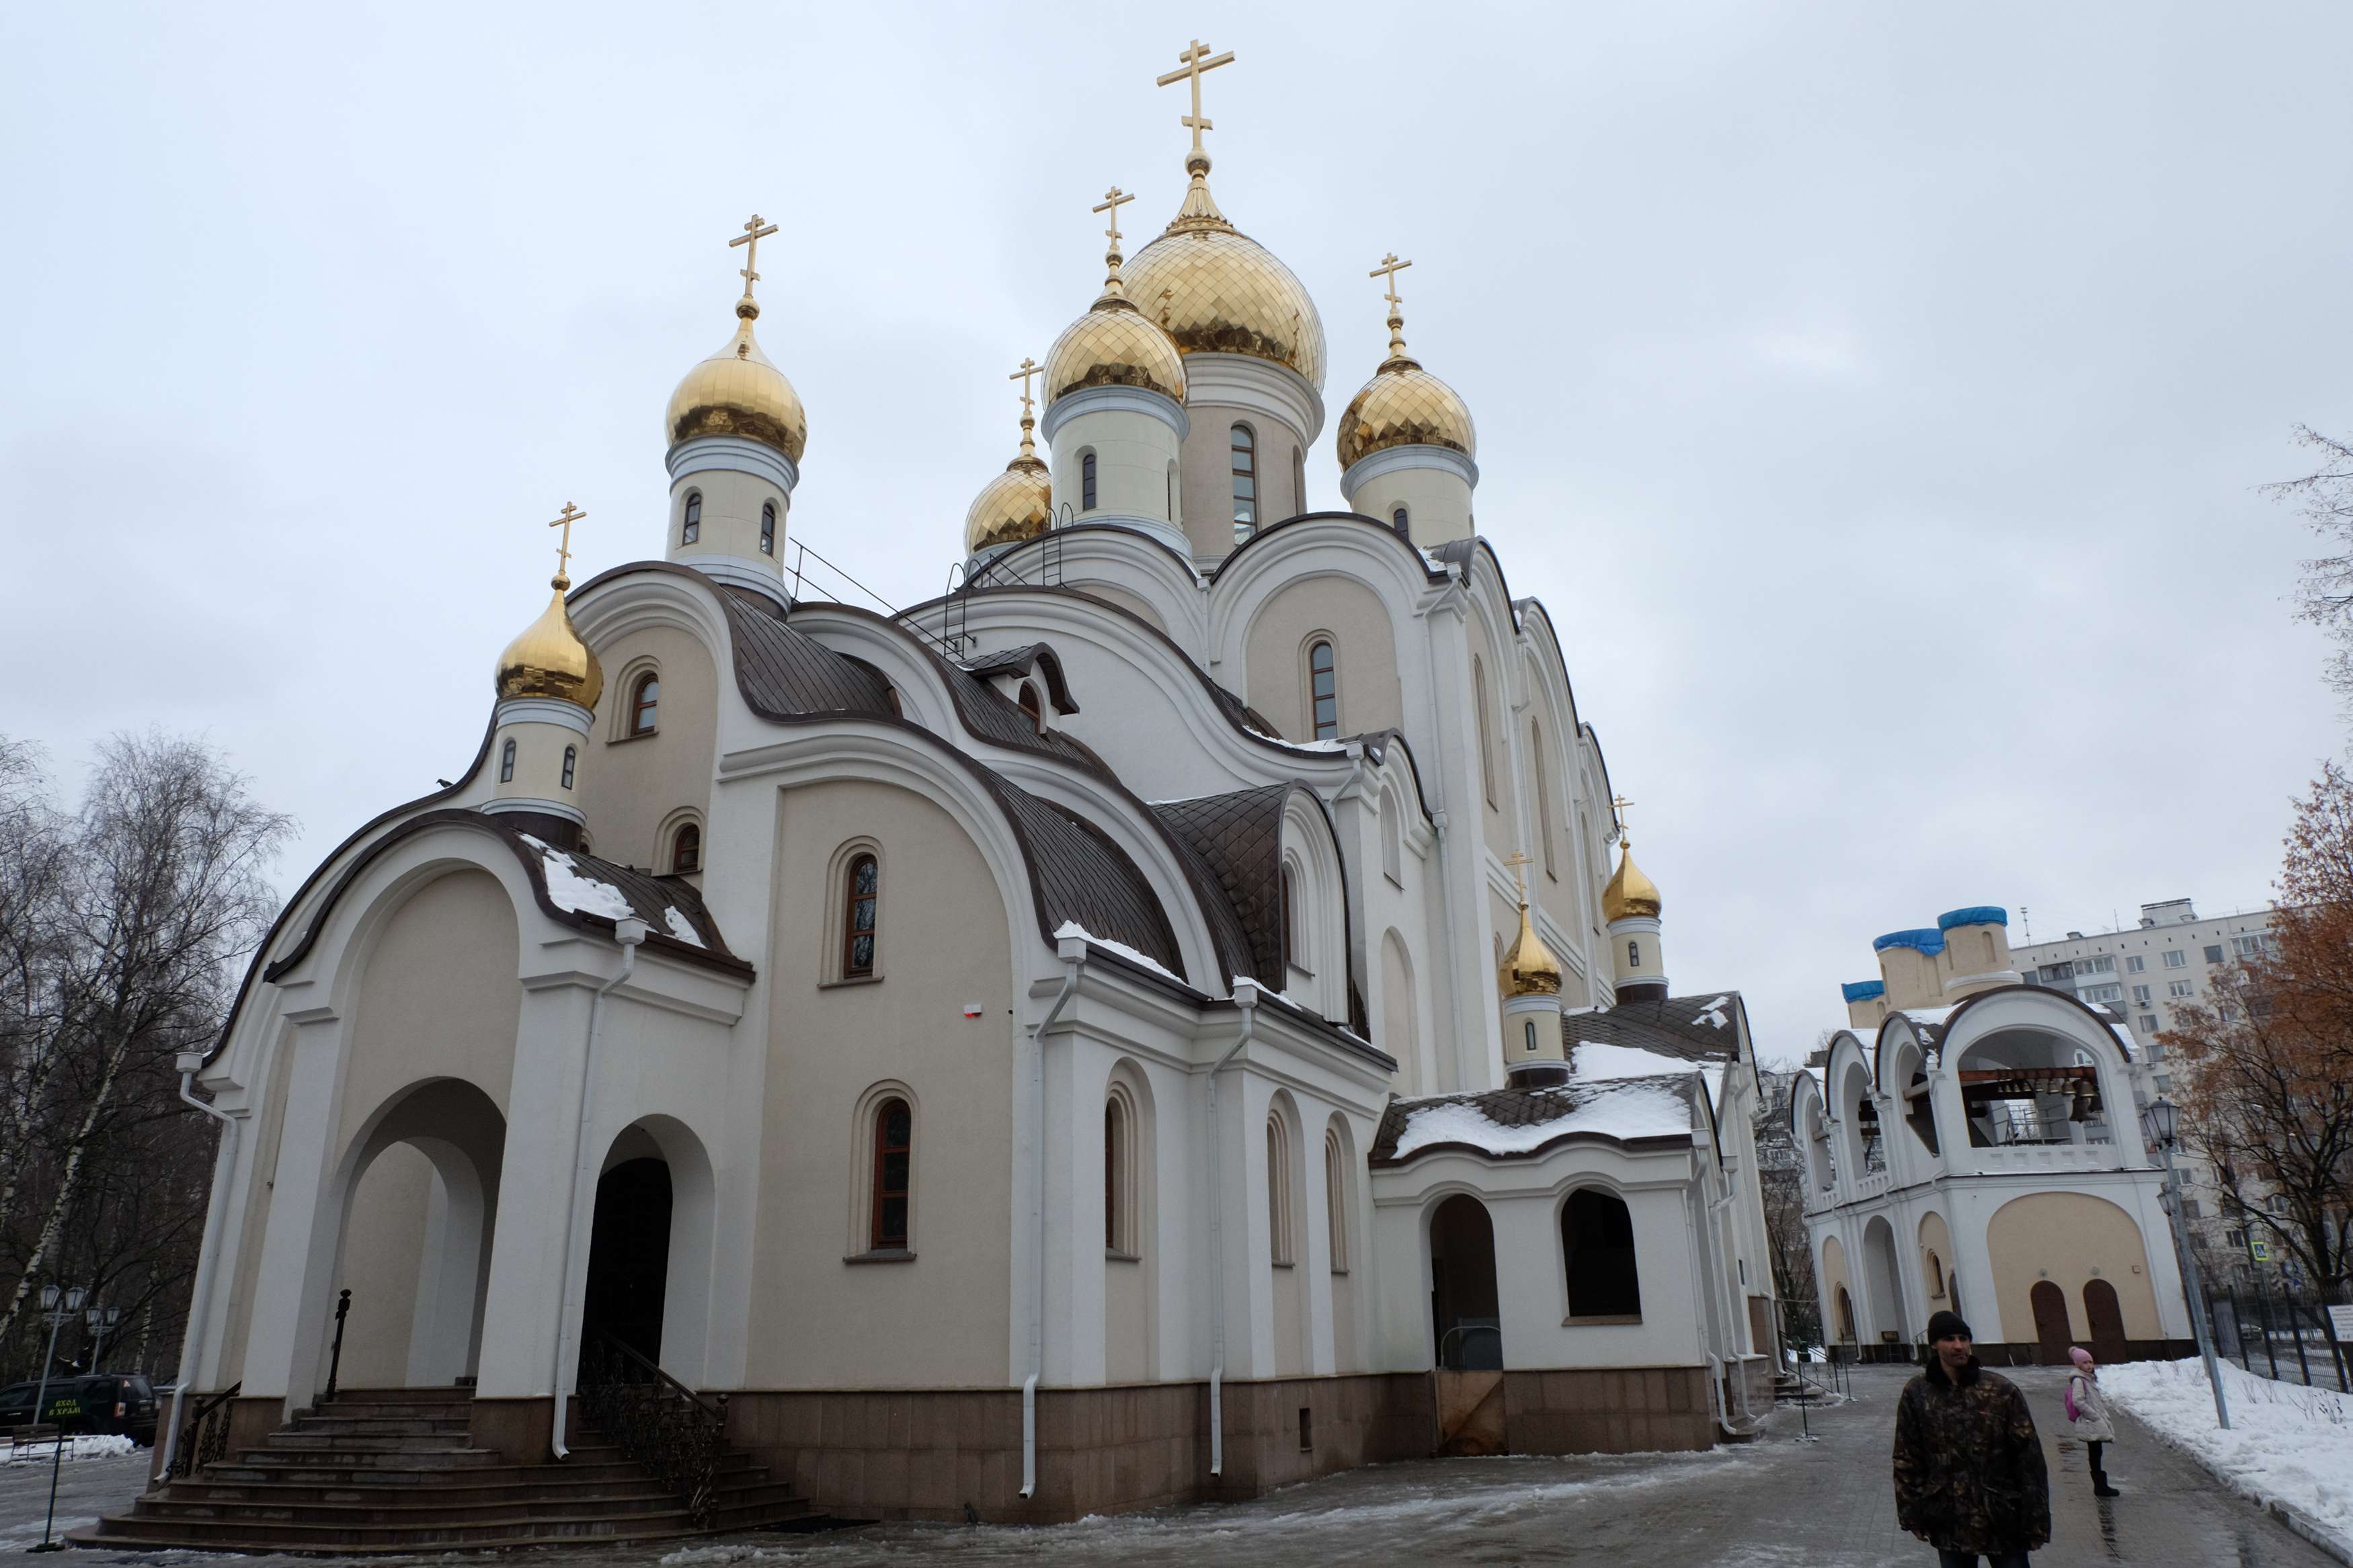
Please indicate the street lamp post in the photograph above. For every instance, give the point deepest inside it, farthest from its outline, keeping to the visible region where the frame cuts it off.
(101, 1321)
(57, 1311)
(2162, 1123)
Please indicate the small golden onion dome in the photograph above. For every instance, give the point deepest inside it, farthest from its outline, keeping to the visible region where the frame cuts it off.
(1405, 405)
(1215, 289)
(736, 391)
(1112, 345)
(1018, 504)
(550, 660)
(1529, 968)
(1630, 892)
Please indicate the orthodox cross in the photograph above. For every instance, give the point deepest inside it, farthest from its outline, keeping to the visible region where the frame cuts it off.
(1618, 804)
(752, 235)
(1114, 199)
(1029, 367)
(1195, 60)
(564, 550)
(1389, 267)
(1516, 859)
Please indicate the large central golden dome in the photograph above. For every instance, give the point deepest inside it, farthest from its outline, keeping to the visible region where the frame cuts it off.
(736, 391)
(1214, 289)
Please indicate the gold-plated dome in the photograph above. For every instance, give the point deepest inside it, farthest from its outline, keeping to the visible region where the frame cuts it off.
(1019, 503)
(1403, 405)
(1112, 345)
(1214, 289)
(548, 659)
(1630, 892)
(736, 391)
(1529, 969)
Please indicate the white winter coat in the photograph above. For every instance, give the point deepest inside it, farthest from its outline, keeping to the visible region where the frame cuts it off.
(2092, 1423)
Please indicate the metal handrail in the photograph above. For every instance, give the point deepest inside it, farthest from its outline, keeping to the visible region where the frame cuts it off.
(656, 1420)
(201, 1444)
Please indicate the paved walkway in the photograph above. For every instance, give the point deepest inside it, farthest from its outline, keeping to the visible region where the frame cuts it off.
(1777, 1503)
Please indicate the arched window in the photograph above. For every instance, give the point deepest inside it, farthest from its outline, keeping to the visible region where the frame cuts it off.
(1324, 689)
(1172, 492)
(1290, 918)
(1278, 1192)
(571, 761)
(1398, 522)
(645, 703)
(768, 528)
(1086, 481)
(691, 530)
(1245, 466)
(686, 849)
(861, 884)
(1336, 1199)
(1935, 1276)
(1298, 480)
(506, 761)
(1027, 702)
(1544, 800)
(895, 1142)
(1633, 953)
(1596, 1247)
(1117, 1236)
(1486, 744)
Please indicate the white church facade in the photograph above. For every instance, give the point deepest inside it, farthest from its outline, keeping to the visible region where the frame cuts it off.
(1158, 1022)
(1972, 1142)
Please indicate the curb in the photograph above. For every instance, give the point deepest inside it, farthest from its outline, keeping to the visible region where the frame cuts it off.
(2311, 1530)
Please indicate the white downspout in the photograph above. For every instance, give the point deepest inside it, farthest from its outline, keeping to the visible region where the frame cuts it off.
(1246, 992)
(192, 1345)
(628, 931)
(1073, 951)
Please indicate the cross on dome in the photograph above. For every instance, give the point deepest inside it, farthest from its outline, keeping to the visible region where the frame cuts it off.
(1515, 860)
(1618, 805)
(1389, 269)
(1194, 61)
(1030, 368)
(753, 232)
(571, 514)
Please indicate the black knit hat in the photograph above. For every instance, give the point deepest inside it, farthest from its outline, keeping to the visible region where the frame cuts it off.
(1948, 1325)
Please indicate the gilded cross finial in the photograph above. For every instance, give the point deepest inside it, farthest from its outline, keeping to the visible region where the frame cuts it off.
(1389, 269)
(1030, 368)
(1618, 804)
(753, 232)
(1114, 199)
(571, 514)
(1515, 860)
(1194, 61)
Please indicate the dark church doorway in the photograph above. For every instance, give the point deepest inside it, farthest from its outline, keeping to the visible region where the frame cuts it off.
(1463, 1303)
(628, 1256)
(2105, 1316)
(2051, 1339)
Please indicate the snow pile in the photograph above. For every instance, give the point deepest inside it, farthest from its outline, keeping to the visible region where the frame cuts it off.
(568, 889)
(1074, 929)
(1631, 1110)
(104, 1447)
(680, 926)
(2286, 1443)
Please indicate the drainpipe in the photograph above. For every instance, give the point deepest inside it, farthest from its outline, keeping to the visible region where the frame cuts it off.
(1073, 951)
(628, 931)
(192, 1347)
(1246, 992)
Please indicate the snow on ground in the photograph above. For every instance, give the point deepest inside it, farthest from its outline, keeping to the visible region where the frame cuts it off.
(93, 1447)
(2286, 1443)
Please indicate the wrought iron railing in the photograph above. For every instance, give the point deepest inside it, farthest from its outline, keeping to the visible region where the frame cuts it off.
(656, 1420)
(203, 1436)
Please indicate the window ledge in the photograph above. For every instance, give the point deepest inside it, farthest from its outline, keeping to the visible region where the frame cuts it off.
(1285, 1263)
(850, 980)
(881, 1255)
(635, 735)
(1340, 1272)
(1114, 1254)
(1599, 1320)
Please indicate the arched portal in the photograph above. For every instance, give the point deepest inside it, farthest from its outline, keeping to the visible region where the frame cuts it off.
(1883, 1281)
(2051, 1335)
(1464, 1312)
(414, 1247)
(2104, 1316)
(647, 1284)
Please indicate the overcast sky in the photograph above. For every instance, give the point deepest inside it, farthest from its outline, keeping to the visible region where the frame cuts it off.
(1876, 394)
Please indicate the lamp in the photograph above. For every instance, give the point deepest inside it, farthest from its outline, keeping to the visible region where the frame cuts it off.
(2161, 1122)
(49, 1298)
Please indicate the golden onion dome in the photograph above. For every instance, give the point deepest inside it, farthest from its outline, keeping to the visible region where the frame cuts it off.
(736, 391)
(1529, 969)
(1113, 345)
(1019, 503)
(1214, 289)
(1405, 405)
(548, 659)
(1630, 892)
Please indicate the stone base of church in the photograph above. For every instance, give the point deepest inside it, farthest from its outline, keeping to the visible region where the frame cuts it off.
(917, 1454)
(518, 1428)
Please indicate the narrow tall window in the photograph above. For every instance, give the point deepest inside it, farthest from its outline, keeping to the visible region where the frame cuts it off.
(1398, 521)
(768, 528)
(1114, 1186)
(1299, 480)
(1544, 800)
(686, 849)
(1086, 481)
(1027, 702)
(1486, 745)
(1335, 1201)
(692, 528)
(506, 761)
(1278, 1192)
(571, 760)
(860, 895)
(894, 1128)
(645, 704)
(1290, 897)
(1245, 466)
(1323, 687)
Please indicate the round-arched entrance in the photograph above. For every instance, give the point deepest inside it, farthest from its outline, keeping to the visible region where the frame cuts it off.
(650, 1245)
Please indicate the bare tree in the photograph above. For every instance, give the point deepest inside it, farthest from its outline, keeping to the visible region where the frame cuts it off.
(2324, 597)
(1781, 1175)
(136, 913)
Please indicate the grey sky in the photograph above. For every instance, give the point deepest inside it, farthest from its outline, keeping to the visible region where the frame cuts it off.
(1876, 394)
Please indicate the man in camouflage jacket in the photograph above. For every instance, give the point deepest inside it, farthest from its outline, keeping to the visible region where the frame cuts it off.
(1970, 1476)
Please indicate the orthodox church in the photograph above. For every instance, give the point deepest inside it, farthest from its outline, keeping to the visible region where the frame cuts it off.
(1159, 1021)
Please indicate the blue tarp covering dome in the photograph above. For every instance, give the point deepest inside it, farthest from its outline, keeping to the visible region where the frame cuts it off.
(1975, 915)
(1863, 990)
(1927, 939)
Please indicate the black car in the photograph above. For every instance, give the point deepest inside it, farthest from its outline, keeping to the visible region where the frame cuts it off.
(121, 1403)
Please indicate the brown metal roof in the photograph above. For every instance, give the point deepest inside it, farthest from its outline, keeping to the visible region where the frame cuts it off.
(1681, 1026)
(1512, 1107)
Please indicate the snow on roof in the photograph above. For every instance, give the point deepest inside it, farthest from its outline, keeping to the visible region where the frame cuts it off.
(1594, 1062)
(1628, 1109)
(680, 926)
(1074, 929)
(1933, 1017)
(570, 891)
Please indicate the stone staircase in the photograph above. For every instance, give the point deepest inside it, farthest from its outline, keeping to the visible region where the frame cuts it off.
(391, 1470)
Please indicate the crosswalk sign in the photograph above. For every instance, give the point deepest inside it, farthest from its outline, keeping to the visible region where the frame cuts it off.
(2261, 1251)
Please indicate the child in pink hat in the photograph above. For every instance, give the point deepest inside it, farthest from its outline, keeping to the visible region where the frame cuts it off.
(2089, 1412)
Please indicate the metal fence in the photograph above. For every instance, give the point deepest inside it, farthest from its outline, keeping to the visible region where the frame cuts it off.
(2285, 1337)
